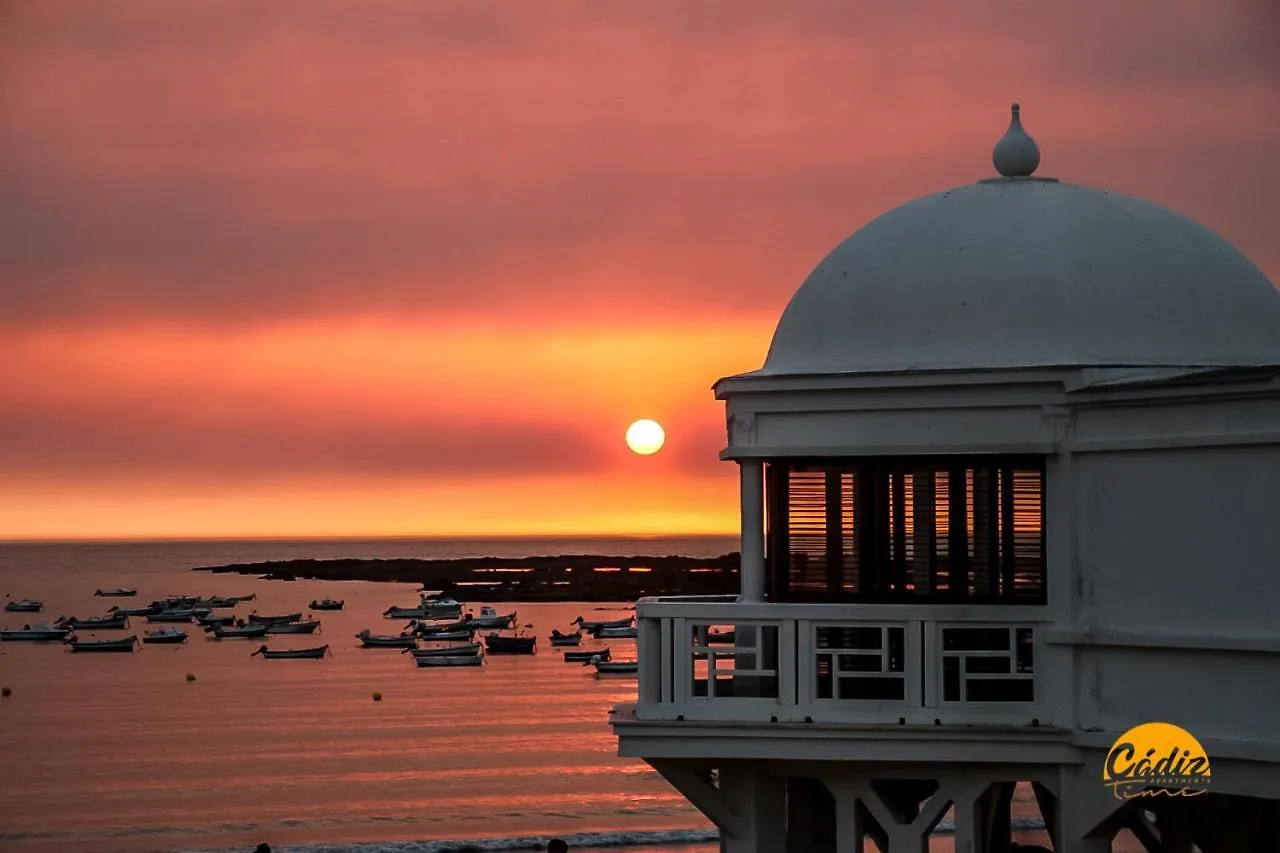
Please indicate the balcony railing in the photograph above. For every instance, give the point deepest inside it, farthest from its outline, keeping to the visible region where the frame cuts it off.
(711, 658)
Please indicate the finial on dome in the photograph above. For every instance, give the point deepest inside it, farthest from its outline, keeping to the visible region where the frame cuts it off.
(1016, 154)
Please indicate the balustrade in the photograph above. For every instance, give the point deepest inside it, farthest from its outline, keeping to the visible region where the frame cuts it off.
(715, 659)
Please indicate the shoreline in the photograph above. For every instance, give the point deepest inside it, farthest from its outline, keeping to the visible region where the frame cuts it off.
(565, 577)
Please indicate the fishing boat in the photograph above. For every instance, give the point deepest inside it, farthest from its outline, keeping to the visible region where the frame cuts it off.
(286, 619)
(585, 655)
(125, 645)
(327, 604)
(490, 618)
(466, 634)
(183, 615)
(238, 631)
(616, 633)
(615, 667)
(118, 592)
(593, 626)
(425, 628)
(95, 623)
(134, 611)
(250, 597)
(386, 641)
(43, 632)
(498, 644)
(171, 636)
(26, 605)
(309, 627)
(427, 608)
(218, 601)
(295, 654)
(175, 602)
(445, 651)
(213, 619)
(450, 660)
(558, 639)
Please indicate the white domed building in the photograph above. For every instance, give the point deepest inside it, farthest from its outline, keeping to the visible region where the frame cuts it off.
(1010, 485)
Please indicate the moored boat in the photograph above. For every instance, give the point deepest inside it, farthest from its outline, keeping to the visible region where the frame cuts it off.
(585, 655)
(309, 627)
(427, 608)
(614, 667)
(593, 626)
(295, 654)
(558, 639)
(451, 660)
(445, 651)
(134, 611)
(617, 632)
(118, 592)
(327, 604)
(370, 640)
(184, 615)
(498, 644)
(214, 619)
(171, 636)
(124, 645)
(44, 632)
(285, 619)
(95, 623)
(490, 618)
(238, 631)
(26, 605)
(466, 634)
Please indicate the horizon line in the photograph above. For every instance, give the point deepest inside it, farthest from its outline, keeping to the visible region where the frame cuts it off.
(397, 537)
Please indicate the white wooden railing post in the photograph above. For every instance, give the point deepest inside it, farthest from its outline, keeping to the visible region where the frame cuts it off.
(751, 573)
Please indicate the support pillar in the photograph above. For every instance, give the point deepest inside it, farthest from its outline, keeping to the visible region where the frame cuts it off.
(760, 803)
(811, 817)
(751, 573)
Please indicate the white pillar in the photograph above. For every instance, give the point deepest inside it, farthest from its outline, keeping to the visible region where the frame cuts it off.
(751, 574)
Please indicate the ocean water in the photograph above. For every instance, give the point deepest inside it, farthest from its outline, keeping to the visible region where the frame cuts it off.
(124, 754)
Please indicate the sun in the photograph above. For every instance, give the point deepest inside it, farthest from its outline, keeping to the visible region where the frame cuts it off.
(645, 437)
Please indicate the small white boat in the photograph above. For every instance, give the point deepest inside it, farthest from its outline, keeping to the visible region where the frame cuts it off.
(617, 633)
(490, 618)
(294, 627)
(451, 660)
(26, 605)
(446, 651)
(43, 632)
(118, 592)
(614, 667)
(386, 641)
(170, 636)
(427, 608)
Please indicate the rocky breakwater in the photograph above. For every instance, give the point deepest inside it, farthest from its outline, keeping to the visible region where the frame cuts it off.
(580, 577)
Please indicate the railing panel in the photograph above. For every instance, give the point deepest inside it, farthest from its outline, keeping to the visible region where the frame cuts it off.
(750, 662)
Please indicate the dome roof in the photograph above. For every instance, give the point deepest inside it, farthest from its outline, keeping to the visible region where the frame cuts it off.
(1021, 271)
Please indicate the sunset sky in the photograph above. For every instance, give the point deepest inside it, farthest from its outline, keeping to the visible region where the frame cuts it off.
(353, 268)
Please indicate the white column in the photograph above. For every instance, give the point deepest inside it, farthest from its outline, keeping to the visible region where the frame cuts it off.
(751, 574)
